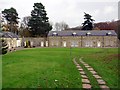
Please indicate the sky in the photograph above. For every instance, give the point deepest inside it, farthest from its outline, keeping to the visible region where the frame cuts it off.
(68, 11)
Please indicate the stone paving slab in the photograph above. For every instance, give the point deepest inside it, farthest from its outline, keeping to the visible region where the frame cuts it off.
(84, 76)
(104, 87)
(78, 66)
(90, 69)
(97, 76)
(82, 72)
(87, 66)
(86, 86)
(82, 62)
(85, 81)
(80, 69)
(101, 82)
(93, 72)
(76, 63)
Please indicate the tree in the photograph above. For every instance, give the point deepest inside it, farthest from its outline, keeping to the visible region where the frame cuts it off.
(25, 21)
(4, 46)
(24, 30)
(11, 16)
(39, 23)
(88, 23)
(61, 26)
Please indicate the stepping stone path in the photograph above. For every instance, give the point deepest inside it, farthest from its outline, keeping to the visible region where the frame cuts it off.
(85, 81)
(99, 79)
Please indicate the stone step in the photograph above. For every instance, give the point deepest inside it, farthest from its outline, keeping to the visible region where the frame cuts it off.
(90, 69)
(84, 76)
(78, 66)
(101, 82)
(85, 81)
(86, 86)
(93, 72)
(82, 72)
(80, 69)
(87, 66)
(97, 76)
(104, 87)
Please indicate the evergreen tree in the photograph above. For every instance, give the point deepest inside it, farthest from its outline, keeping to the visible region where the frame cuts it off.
(39, 23)
(11, 16)
(88, 23)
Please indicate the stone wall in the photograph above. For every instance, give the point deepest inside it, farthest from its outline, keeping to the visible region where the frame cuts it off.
(37, 42)
(65, 41)
(83, 41)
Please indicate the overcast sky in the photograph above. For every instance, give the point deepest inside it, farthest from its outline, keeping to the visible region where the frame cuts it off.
(69, 11)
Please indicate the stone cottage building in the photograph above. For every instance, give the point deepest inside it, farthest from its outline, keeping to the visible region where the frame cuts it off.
(93, 38)
(12, 39)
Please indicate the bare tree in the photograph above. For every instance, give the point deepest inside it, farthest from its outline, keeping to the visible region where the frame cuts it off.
(24, 30)
(25, 21)
(59, 26)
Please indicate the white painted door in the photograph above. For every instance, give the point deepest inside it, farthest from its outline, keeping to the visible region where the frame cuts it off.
(46, 43)
(98, 44)
(42, 44)
(18, 43)
(24, 43)
(64, 44)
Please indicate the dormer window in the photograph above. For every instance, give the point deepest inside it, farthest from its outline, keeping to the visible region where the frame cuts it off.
(55, 34)
(88, 33)
(109, 33)
(74, 33)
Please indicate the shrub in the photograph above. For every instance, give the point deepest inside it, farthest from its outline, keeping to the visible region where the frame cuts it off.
(4, 46)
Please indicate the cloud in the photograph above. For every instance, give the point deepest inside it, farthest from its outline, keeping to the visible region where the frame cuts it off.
(108, 9)
(70, 11)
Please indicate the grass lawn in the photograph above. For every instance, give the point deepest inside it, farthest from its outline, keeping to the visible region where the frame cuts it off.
(54, 68)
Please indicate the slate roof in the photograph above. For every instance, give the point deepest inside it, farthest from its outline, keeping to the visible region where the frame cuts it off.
(8, 35)
(84, 33)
